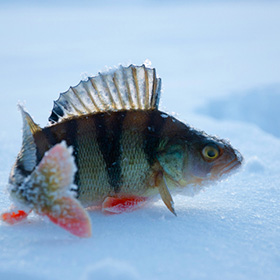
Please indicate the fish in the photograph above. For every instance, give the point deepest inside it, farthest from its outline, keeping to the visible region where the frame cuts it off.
(109, 145)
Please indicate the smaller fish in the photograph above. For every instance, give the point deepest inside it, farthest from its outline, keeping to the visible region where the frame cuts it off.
(109, 145)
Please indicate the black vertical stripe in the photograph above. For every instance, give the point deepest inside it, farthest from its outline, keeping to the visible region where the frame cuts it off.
(152, 134)
(44, 140)
(109, 132)
(40, 151)
(71, 128)
(50, 136)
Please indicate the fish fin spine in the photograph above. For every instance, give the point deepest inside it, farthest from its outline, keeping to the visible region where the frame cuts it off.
(124, 88)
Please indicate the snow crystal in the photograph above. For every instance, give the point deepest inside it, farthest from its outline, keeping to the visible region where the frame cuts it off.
(148, 63)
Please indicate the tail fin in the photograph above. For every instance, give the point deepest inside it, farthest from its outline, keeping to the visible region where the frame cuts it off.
(27, 155)
(48, 191)
(72, 217)
(26, 159)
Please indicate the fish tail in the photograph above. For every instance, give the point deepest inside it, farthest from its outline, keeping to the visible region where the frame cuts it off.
(48, 191)
(26, 159)
(55, 175)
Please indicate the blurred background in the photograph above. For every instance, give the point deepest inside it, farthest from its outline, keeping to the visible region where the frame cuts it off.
(203, 50)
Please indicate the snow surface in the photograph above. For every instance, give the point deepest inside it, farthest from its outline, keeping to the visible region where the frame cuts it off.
(220, 64)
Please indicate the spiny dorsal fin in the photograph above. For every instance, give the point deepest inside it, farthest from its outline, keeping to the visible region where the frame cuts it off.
(125, 88)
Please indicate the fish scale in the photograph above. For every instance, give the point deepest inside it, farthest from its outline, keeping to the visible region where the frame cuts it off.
(109, 145)
(97, 151)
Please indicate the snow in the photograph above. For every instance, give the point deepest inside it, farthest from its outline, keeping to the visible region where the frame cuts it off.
(259, 105)
(219, 63)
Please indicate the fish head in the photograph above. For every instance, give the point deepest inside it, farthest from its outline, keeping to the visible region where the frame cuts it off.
(209, 159)
(197, 159)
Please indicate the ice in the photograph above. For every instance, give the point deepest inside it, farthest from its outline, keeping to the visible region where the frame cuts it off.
(212, 57)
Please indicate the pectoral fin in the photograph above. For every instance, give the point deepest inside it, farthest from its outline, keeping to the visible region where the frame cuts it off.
(164, 193)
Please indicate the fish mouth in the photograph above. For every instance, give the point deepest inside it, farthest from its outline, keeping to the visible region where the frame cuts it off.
(222, 169)
(232, 165)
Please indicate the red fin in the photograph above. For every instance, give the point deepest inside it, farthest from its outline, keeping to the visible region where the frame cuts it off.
(116, 205)
(14, 217)
(56, 173)
(71, 216)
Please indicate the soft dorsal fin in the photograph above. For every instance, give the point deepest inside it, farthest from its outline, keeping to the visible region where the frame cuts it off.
(125, 88)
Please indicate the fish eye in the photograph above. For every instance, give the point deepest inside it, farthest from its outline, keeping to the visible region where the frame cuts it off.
(210, 152)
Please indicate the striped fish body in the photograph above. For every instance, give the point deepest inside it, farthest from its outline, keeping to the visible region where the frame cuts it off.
(115, 152)
(110, 145)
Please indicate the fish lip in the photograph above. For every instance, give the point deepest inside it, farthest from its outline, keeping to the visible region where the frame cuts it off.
(232, 165)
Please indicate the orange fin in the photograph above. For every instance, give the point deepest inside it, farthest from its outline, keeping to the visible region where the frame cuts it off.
(14, 217)
(53, 180)
(69, 214)
(116, 205)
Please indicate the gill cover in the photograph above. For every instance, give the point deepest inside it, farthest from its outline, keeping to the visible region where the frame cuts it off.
(172, 160)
